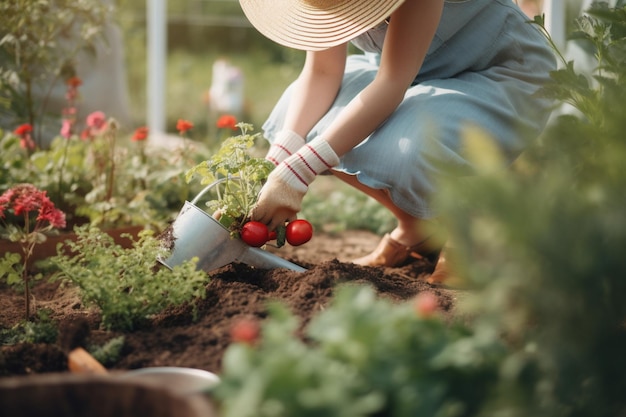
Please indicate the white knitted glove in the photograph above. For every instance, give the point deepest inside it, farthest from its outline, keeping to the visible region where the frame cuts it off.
(285, 144)
(280, 198)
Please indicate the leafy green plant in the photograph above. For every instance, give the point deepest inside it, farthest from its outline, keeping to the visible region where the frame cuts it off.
(541, 248)
(344, 208)
(38, 42)
(110, 352)
(103, 177)
(542, 244)
(123, 283)
(26, 214)
(364, 356)
(241, 174)
(41, 330)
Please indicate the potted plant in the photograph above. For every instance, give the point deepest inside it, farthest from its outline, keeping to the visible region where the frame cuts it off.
(234, 180)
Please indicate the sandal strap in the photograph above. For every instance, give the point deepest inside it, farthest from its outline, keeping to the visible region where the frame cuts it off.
(392, 253)
(417, 251)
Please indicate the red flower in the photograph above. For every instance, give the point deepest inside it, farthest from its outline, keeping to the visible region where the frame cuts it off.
(86, 134)
(426, 304)
(183, 125)
(227, 121)
(66, 128)
(74, 82)
(96, 120)
(140, 134)
(49, 213)
(5, 199)
(26, 198)
(27, 143)
(245, 331)
(23, 130)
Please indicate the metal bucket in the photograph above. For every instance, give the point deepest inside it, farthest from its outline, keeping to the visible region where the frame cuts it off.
(197, 234)
(180, 380)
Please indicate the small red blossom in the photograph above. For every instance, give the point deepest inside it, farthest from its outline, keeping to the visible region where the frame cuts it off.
(49, 213)
(96, 124)
(74, 82)
(27, 143)
(23, 129)
(426, 304)
(96, 120)
(26, 198)
(66, 128)
(245, 331)
(140, 134)
(27, 202)
(69, 111)
(227, 121)
(86, 134)
(38, 216)
(183, 125)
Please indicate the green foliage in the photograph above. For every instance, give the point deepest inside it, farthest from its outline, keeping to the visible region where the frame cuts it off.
(38, 42)
(364, 356)
(26, 214)
(344, 208)
(241, 176)
(41, 330)
(123, 283)
(109, 353)
(11, 268)
(543, 244)
(108, 180)
(13, 271)
(541, 248)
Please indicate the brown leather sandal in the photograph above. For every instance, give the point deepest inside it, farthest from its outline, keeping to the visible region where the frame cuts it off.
(392, 253)
(441, 272)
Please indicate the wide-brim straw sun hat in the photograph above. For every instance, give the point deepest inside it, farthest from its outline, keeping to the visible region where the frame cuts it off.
(316, 24)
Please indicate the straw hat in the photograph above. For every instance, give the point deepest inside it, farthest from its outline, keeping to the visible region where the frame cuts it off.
(316, 24)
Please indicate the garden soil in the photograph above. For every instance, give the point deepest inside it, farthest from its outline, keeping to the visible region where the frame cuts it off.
(235, 292)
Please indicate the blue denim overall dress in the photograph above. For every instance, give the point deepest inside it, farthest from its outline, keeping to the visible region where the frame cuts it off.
(482, 69)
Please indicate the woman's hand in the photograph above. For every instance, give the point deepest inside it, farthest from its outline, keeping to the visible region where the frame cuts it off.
(281, 197)
(278, 203)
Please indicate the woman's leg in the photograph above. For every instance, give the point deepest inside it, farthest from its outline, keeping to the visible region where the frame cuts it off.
(410, 230)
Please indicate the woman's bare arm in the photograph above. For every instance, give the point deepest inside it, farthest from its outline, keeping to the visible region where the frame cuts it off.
(315, 89)
(410, 33)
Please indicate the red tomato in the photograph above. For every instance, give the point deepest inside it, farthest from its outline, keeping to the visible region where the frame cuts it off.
(255, 234)
(299, 232)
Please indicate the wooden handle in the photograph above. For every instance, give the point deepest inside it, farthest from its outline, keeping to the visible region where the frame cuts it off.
(80, 361)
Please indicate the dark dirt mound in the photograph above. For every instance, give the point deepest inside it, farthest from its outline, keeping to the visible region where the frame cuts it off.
(174, 338)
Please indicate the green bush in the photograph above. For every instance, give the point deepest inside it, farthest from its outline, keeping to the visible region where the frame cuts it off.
(39, 41)
(40, 330)
(541, 249)
(110, 180)
(344, 208)
(363, 356)
(543, 244)
(123, 283)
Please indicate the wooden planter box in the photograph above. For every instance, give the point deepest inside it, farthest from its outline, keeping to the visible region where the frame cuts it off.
(49, 247)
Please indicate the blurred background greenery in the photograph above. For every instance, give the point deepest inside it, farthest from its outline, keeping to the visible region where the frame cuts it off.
(199, 32)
